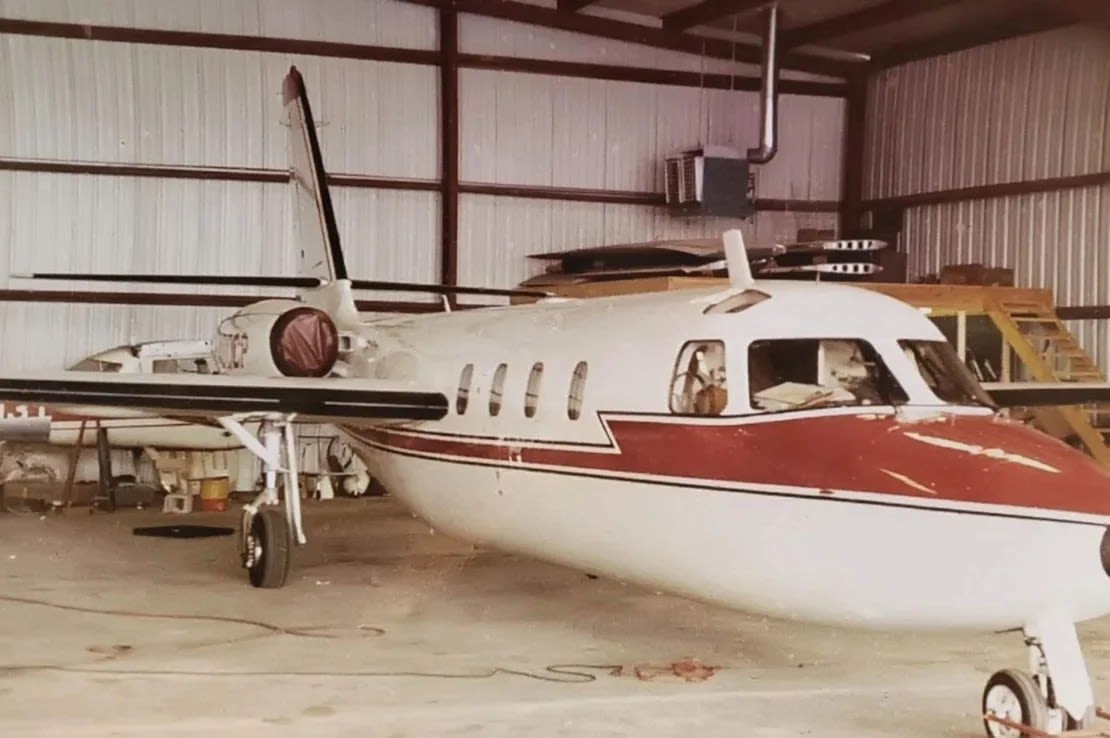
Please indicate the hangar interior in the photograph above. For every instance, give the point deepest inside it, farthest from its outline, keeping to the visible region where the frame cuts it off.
(463, 138)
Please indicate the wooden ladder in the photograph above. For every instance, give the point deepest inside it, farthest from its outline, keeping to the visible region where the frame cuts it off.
(1050, 353)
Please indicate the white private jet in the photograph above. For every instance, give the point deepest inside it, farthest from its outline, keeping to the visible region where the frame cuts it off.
(806, 451)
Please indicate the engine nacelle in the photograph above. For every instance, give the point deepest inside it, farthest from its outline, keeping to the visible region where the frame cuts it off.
(277, 338)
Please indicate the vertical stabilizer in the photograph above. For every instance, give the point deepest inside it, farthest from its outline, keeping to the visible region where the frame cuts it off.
(739, 268)
(315, 230)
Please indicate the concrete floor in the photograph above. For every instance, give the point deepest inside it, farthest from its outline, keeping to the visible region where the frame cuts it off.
(455, 624)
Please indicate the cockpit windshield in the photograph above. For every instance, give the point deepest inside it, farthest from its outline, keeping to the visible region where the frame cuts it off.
(804, 373)
(945, 374)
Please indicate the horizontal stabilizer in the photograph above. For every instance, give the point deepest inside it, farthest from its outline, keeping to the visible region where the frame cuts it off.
(443, 289)
(1035, 394)
(242, 280)
(248, 280)
(214, 395)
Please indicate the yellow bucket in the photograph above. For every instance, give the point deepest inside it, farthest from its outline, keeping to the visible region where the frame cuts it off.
(213, 494)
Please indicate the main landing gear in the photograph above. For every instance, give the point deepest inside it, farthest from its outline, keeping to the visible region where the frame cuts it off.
(1017, 704)
(269, 530)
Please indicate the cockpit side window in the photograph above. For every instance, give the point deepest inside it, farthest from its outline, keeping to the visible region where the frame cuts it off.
(699, 384)
(805, 373)
(947, 376)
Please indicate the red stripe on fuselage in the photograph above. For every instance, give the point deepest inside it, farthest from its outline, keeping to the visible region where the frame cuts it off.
(959, 458)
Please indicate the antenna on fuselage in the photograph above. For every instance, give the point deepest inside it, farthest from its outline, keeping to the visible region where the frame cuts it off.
(736, 256)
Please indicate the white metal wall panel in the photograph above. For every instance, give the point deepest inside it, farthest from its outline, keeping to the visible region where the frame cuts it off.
(1057, 240)
(1028, 108)
(55, 336)
(498, 233)
(493, 36)
(373, 22)
(58, 222)
(96, 101)
(390, 234)
(539, 130)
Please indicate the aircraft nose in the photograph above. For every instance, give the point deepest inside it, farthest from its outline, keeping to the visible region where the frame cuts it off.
(1104, 552)
(1003, 462)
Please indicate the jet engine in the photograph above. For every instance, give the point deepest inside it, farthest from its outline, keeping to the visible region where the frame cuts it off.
(277, 338)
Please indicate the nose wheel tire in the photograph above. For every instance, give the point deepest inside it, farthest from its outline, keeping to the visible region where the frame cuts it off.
(267, 545)
(1014, 696)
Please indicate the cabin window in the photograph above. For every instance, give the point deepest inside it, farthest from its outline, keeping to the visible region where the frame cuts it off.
(804, 373)
(532, 393)
(497, 389)
(699, 385)
(947, 376)
(462, 399)
(577, 390)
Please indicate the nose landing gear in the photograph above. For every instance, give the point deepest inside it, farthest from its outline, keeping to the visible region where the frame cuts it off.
(266, 533)
(1017, 704)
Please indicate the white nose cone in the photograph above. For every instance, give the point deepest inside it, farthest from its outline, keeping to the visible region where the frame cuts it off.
(739, 269)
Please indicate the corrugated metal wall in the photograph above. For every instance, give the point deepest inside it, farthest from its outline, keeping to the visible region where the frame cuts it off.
(78, 100)
(614, 135)
(1029, 108)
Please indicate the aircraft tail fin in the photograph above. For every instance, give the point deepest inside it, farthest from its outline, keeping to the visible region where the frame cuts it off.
(315, 230)
(739, 269)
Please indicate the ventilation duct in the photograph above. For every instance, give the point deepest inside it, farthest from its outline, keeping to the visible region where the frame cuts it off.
(769, 92)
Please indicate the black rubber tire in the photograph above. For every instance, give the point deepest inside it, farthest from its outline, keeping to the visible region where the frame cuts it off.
(271, 530)
(1032, 704)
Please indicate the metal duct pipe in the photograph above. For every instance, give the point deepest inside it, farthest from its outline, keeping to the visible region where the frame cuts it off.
(769, 92)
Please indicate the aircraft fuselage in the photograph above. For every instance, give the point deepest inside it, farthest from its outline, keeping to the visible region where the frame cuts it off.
(896, 510)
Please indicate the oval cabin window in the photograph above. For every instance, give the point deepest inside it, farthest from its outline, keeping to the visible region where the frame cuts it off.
(462, 400)
(577, 391)
(497, 389)
(532, 394)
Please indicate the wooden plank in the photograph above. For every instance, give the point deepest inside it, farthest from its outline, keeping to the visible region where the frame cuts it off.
(974, 299)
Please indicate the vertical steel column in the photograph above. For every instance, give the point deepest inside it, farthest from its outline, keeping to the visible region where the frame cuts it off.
(851, 195)
(449, 143)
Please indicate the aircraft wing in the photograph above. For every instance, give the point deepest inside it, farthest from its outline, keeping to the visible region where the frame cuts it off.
(1033, 394)
(326, 399)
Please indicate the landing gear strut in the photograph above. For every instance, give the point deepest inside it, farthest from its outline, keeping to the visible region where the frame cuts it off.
(267, 534)
(1018, 704)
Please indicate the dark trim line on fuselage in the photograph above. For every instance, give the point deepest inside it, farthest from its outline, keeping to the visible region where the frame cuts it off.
(616, 477)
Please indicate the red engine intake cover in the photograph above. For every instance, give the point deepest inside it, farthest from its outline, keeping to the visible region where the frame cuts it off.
(304, 343)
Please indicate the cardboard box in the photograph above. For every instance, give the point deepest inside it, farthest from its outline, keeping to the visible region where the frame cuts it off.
(977, 274)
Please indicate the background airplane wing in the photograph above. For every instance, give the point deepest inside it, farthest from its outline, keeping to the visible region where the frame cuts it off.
(365, 401)
(1033, 394)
